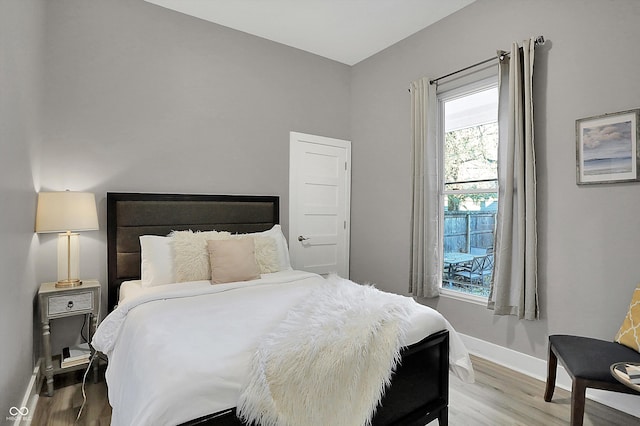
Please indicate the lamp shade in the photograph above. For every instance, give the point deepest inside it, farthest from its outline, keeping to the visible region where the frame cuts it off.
(66, 211)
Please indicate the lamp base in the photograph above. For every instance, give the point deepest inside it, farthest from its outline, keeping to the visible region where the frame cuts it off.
(69, 283)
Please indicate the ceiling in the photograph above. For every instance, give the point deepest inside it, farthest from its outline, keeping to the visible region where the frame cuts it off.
(346, 31)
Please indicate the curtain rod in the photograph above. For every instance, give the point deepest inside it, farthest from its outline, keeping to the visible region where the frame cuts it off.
(539, 41)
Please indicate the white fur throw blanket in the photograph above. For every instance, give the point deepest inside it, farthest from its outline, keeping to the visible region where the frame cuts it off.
(329, 361)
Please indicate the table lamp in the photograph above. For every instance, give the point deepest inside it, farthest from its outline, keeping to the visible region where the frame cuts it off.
(67, 212)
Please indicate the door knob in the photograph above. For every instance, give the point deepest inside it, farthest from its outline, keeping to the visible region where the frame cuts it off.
(301, 238)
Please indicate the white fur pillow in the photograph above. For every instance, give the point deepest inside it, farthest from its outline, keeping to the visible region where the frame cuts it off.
(282, 262)
(281, 246)
(266, 254)
(191, 256)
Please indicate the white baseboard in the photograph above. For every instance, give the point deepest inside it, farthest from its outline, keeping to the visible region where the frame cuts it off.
(30, 399)
(537, 368)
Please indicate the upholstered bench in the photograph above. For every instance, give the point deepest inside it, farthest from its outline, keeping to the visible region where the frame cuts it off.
(587, 361)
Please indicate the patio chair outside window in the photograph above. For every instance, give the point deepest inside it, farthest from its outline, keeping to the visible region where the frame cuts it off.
(477, 271)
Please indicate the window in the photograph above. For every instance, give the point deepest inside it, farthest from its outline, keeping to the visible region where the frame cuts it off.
(468, 136)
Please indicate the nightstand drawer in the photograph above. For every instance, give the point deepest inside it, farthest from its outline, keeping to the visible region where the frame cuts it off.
(70, 303)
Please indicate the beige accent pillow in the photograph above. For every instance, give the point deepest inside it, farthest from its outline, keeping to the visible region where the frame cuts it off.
(190, 254)
(233, 260)
(629, 333)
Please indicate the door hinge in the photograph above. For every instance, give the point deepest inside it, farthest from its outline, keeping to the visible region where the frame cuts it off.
(345, 224)
(345, 165)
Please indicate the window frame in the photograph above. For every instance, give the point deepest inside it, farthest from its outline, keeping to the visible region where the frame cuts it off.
(466, 87)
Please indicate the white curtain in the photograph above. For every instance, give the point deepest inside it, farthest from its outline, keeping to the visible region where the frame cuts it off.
(426, 272)
(514, 285)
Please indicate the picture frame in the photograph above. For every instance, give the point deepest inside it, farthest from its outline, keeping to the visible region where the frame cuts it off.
(607, 148)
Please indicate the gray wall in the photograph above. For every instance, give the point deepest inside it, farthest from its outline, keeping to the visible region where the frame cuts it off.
(140, 98)
(588, 236)
(135, 97)
(21, 27)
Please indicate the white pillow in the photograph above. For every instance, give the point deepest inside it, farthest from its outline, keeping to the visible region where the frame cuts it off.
(157, 260)
(190, 254)
(281, 245)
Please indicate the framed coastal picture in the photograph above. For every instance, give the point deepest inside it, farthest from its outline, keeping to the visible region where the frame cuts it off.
(607, 148)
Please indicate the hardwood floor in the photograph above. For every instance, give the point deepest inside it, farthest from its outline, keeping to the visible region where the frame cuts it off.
(63, 407)
(504, 397)
(499, 397)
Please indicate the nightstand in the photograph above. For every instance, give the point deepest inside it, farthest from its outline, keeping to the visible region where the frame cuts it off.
(59, 302)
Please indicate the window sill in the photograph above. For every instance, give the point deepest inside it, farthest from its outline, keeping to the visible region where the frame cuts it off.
(457, 295)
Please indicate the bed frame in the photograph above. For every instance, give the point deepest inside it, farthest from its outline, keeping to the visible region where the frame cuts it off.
(419, 390)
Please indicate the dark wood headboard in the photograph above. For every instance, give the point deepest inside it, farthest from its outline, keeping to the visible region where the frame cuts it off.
(130, 215)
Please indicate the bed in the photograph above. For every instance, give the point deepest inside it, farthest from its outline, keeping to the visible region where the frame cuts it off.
(141, 351)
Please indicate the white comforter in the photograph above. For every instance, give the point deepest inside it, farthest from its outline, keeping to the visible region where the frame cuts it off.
(180, 351)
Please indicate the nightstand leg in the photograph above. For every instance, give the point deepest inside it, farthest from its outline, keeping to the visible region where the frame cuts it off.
(46, 343)
(96, 362)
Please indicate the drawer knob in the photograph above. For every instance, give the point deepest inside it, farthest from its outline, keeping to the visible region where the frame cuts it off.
(70, 305)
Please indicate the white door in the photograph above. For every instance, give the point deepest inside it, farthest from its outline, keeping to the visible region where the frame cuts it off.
(319, 203)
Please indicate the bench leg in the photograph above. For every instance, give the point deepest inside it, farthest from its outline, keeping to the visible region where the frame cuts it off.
(552, 365)
(578, 390)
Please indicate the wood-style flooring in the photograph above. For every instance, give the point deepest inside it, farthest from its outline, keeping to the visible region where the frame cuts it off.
(499, 397)
(63, 407)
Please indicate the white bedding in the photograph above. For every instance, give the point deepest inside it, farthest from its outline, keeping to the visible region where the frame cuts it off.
(180, 351)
